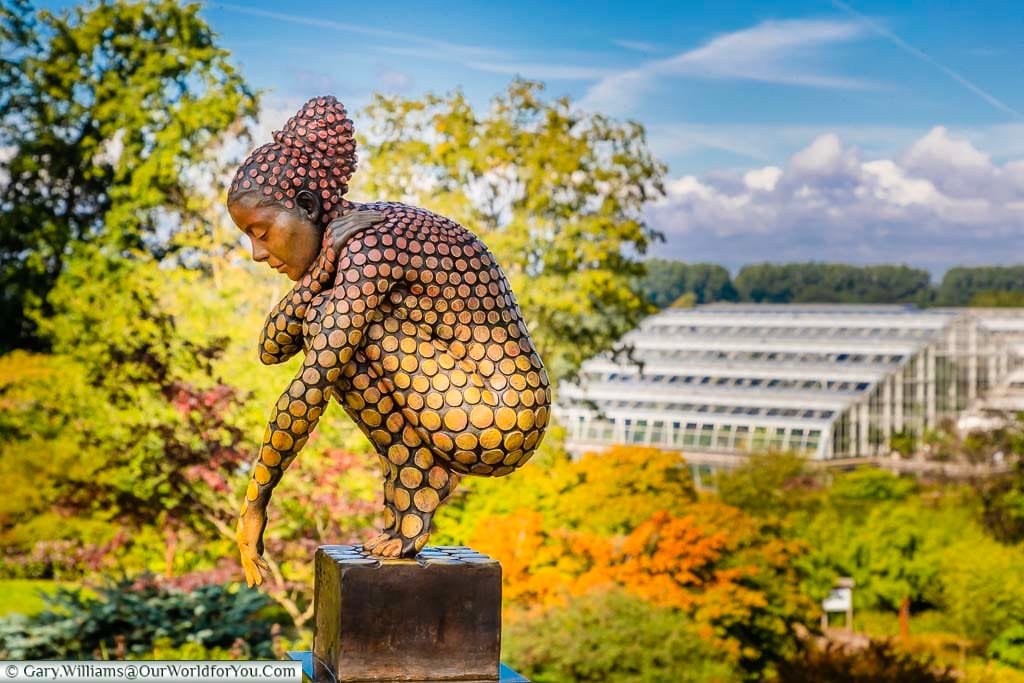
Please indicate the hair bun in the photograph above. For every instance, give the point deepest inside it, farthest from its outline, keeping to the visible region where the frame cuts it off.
(321, 128)
(314, 152)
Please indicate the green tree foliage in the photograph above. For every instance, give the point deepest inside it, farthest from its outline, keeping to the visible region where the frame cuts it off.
(768, 485)
(832, 283)
(127, 618)
(893, 556)
(982, 586)
(148, 413)
(138, 430)
(867, 486)
(611, 636)
(961, 286)
(666, 281)
(1008, 647)
(113, 112)
(998, 300)
(1002, 502)
(557, 194)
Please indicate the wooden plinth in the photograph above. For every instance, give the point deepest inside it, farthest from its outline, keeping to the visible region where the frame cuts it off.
(433, 618)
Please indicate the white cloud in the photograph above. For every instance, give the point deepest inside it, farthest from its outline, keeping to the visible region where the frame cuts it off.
(764, 179)
(941, 203)
(824, 157)
(778, 52)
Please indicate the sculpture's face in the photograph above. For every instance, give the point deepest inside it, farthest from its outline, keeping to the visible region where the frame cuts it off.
(285, 240)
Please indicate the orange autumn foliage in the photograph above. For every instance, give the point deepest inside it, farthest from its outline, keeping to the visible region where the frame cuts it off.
(712, 563)
(540, 567)
(666, 558)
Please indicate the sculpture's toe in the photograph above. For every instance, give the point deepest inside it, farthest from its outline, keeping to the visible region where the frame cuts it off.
(392, 548)
(377, 540)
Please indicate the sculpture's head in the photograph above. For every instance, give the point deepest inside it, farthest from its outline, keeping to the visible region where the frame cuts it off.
(288, 190)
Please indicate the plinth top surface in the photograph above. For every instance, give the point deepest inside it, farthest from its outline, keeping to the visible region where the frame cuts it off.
(440, 554)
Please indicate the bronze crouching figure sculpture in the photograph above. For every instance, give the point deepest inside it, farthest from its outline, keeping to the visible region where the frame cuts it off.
(402, 316)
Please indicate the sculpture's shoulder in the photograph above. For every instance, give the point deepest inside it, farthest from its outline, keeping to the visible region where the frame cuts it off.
(417, 224)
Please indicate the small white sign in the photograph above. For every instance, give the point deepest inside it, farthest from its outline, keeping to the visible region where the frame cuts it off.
(839, 600)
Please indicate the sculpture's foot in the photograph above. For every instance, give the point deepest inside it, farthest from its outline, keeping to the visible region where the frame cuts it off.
(391, 544)
(377, 540)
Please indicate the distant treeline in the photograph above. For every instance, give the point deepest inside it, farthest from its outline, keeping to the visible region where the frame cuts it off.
(675, 282)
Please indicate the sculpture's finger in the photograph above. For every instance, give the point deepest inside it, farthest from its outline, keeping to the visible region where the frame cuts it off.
(246, 572)
(357, 220)
(253, 576)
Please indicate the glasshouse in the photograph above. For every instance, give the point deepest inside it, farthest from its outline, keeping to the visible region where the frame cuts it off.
(832, 381)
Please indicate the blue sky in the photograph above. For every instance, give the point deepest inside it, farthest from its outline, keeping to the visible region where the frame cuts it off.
(794, 68)
(856, 131)
(840, 130)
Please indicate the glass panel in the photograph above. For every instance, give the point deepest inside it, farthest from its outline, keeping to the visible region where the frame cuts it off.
(690, 435)
(639, 432)
(760, 440)
(658, 432)
(742, 441)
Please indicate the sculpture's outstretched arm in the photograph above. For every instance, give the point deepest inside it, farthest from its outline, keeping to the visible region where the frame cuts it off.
(281, 337)
(299, 408)
(294, 416)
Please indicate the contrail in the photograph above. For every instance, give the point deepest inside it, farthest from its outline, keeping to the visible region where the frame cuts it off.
(472, 50)
(907, 47)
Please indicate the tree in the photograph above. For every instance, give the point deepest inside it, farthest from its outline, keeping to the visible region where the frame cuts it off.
(605, 493)
(865, 487)
(998, 300)
(1008, 647)
(666, 281)
(141, 433)
(768, 485)
(891, 549)
(712, 563)
(147, 411)
(114, 112)
(828, 283)
(556, 193)
(719, 565)
(982, 588)
(961, 286)
(1002, 501)
(614, 491)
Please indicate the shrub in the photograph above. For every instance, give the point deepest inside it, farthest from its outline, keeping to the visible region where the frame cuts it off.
(879, 662)
(129, 618)
(611, 636)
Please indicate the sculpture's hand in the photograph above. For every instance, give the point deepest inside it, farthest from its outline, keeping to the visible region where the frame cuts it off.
(283, 328)
(249, 536)
(351, 222)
